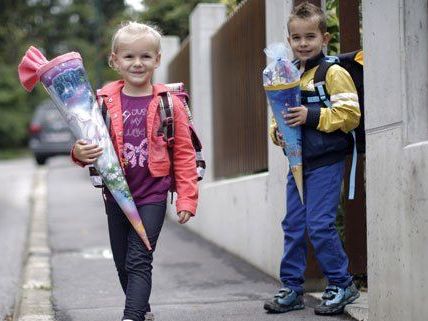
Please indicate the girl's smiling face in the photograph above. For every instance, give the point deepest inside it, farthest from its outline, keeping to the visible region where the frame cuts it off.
(306, 39)
(136, 59)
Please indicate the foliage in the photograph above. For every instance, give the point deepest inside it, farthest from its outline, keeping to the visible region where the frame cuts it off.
(231, 5)
(333, 26)
(172, 16)
(55, 27)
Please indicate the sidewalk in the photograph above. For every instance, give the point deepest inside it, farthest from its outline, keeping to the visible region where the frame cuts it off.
(192, 279)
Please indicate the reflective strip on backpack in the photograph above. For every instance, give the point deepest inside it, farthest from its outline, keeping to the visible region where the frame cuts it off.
(312, 99)
(322, 94)
(351, 194)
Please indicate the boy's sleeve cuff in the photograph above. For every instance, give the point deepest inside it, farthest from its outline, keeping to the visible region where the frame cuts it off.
(313, 118)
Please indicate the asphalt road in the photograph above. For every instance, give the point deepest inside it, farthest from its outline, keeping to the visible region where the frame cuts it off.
(16, 179)
(192, 279)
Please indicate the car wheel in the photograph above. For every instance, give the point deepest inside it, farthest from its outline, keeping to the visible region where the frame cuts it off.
(41, 160)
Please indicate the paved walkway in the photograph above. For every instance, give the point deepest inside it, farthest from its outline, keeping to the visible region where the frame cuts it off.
(192, 279)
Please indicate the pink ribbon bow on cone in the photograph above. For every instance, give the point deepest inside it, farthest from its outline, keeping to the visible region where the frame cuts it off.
(30, 64)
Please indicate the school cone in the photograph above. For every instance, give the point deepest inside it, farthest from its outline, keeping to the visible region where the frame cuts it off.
(66, 81)
(297, 172)
(280, 98)
(281, 81)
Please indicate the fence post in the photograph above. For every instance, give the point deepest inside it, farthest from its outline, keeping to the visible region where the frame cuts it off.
(204, 22)
(169, 48)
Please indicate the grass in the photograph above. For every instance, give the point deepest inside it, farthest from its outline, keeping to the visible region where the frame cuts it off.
(12, 153)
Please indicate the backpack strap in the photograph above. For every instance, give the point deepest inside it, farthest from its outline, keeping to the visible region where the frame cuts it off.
(167, 118)
(104, 112)
(319, 81)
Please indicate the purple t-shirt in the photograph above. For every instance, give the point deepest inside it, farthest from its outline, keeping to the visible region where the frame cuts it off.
(144, 188)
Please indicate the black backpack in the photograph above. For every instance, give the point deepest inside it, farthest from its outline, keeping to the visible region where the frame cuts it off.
(353, 63)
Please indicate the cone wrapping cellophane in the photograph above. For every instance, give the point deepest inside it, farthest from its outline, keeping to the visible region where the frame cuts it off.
(66, 81)
(281, 81)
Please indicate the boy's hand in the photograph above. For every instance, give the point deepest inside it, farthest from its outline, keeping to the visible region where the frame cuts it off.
(86, 153)
(296, 116)
(184, 216)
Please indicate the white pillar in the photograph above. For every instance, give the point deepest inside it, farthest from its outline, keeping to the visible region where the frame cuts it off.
(204, 22)
(170, 45)
(396, 99)
(277, 12)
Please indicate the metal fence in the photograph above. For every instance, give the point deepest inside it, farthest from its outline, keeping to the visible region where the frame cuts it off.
(240, 110)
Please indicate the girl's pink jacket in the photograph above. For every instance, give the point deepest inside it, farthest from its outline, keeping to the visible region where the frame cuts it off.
(159, 161)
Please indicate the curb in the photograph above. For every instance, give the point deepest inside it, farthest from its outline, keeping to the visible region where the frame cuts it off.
(34, 300)
(358, 310)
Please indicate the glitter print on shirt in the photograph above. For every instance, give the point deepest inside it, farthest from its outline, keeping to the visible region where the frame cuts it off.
(135, 153)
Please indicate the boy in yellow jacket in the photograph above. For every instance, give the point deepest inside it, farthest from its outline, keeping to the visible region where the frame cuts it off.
(325, 142)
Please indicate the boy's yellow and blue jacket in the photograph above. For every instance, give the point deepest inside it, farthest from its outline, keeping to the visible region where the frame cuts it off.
(325, 136)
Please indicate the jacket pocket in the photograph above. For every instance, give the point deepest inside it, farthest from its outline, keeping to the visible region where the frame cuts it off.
(159, 150)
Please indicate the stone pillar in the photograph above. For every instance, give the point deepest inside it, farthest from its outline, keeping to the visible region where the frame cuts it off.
(170, 45)
(396, 93)
(204, 22)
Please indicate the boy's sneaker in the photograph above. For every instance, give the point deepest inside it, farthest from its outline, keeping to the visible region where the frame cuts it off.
(335, 298)
(285, 300)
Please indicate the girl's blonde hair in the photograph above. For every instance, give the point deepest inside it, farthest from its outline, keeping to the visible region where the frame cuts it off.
(135, 30)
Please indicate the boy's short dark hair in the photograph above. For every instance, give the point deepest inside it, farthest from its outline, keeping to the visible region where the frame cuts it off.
(307, 10)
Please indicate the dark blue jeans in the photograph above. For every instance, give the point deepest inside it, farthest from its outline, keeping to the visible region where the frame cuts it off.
(133, 261)
(321, 193)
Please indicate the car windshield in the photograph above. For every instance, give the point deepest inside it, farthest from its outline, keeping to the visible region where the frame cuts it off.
(49, 117)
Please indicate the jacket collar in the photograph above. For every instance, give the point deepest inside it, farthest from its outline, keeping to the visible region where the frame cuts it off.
(115, 87)
(311, 63)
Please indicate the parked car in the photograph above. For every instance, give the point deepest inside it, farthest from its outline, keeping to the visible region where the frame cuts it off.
(49, 134)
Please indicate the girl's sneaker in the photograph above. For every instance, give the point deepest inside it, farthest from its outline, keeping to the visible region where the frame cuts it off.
(335, 298)
(285, 300)
(149, 316)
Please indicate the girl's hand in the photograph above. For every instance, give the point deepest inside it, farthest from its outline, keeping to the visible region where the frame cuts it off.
(296, 116)
(86, 153)
(184, 216)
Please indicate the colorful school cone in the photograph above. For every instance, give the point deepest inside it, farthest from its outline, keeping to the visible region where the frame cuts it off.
(281, 81)
(65, 80)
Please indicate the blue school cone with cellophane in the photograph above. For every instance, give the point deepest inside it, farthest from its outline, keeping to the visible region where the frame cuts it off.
(281, 81)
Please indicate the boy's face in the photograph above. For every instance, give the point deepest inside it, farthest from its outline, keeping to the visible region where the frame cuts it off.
(136, 60)
(306, 39)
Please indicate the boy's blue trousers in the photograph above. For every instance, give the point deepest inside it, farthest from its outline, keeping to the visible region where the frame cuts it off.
(322, 187)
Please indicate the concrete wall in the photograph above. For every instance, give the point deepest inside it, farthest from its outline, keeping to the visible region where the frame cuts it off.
(240, 214)
(396, 93)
